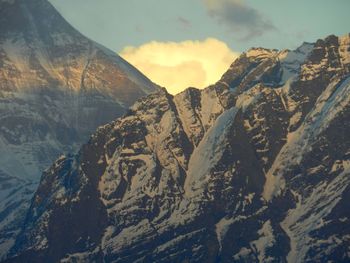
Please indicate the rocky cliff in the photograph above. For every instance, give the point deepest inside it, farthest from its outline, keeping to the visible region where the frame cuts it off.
(253, 168)
(56, 88)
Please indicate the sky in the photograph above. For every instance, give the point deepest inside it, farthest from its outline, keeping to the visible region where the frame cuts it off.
(192, 42)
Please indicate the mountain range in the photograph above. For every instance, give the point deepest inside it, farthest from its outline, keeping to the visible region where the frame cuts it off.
(56, 88)
(252, 169)
(99, 164)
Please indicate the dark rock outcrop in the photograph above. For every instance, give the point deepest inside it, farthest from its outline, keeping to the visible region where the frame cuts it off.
(253, 168)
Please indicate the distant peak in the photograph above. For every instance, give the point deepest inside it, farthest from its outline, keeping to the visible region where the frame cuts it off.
(260, 52)
(32, 19)
(344, 38)
(305, 48)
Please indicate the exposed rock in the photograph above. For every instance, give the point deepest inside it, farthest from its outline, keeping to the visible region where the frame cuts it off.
(253, 168)
(56, 88)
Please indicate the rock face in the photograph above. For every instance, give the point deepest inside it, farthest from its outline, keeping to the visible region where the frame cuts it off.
(56, 88)
(253, 168)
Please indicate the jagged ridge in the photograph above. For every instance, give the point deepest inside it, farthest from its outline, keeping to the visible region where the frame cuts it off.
(253, 168)
(56, 88)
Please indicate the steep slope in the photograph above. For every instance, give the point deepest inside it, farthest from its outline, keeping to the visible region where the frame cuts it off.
(56, 88)
(253, 168)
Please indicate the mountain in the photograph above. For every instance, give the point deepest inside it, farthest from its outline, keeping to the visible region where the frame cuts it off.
(253, 168)
(56, 88)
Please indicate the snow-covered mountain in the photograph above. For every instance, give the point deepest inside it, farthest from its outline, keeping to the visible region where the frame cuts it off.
(253, 168)
(56, 88)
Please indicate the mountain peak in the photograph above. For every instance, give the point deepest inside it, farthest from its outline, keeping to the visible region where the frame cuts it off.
(185, 177)
(344, 48)
(260, 52)
(230, 172)
(56, 88)
(345, 36)
(32, 19)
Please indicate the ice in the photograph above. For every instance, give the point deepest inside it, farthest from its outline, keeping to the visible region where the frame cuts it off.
(221, 229)
(249, 97)
(208, 152)
(317, 206)
(328, 106)
(243, 253)
(291, 61)
(210, 107)
(175, 241)
(130, 234)
(266, 240)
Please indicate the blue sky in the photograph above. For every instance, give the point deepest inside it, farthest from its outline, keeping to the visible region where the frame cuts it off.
(202, 36)
(120, 23)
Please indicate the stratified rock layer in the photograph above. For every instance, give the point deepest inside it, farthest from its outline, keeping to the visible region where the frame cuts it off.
(253, 168)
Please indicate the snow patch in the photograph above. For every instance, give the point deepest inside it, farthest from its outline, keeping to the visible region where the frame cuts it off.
(208, 152)
(265, 241)
(317, 206)
(331, 102)
(249, 97)
(221, 229)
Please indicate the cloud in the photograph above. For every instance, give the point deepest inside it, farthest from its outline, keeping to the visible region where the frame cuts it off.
(179, 65)
(240, 17)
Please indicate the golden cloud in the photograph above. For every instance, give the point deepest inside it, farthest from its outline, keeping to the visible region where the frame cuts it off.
(179, 65)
